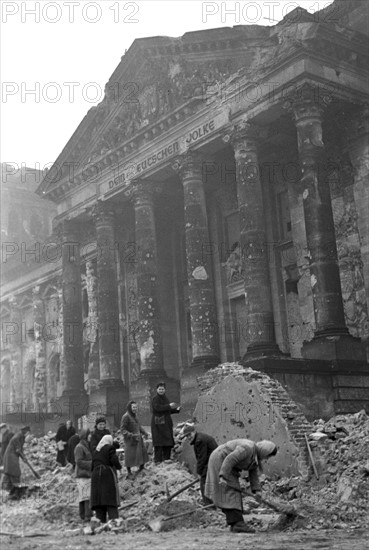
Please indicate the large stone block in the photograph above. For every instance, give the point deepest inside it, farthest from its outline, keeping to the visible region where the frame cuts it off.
(236, 408)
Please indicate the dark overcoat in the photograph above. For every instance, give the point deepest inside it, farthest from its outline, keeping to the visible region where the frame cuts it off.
(104, 482)
(11, 458)
(135, 453)
(72, 443)
(7, 435)
(96, 437)
(203, 445)
(161, 422)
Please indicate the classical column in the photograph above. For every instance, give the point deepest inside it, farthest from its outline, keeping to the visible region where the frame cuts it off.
(14, 337)
(204, 329)
(110, 396)
(92, 322)
(73, 375)
(331, 333)
(149, 335)
(40, 396)
(259, 307)
(107, 294)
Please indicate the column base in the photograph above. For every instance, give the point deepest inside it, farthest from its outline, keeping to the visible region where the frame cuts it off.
(110, 400)
(334, 347)
(263, 349)
(72, 405)
(206, 361)
(143, 390)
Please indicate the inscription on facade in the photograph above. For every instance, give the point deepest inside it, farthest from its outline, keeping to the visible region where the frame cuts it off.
(133, 169)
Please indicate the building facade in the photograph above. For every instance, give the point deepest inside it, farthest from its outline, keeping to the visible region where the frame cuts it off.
(213, 207)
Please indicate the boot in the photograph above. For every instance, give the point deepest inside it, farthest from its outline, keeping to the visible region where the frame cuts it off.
(241, 527)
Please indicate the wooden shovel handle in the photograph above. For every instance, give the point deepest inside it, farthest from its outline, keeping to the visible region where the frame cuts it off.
(311, 457)
(169, 498)
(31, 468)
(188, 512)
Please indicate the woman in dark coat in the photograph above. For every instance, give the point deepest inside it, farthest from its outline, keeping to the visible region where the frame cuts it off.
(98, 433)
(135, 453)
(162, 424)
(72, 443)
(225, 465)
(14, 451)
(5, 440)
(83, 462)
(104, 482)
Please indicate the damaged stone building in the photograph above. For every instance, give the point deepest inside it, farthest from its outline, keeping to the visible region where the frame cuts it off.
(214, 207)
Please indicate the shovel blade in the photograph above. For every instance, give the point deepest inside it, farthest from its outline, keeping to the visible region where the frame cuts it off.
(156, 524)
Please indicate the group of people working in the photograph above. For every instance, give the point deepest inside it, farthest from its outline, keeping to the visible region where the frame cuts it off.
(96, 461)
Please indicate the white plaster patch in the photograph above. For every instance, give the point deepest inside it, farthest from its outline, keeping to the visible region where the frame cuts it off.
(313, 280)
(305, 194)
(147, 349)
(200, 273)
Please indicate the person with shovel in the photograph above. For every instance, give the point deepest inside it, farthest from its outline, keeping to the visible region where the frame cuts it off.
(203, 446)
(224, 468)
(135, 453)
(12, 471)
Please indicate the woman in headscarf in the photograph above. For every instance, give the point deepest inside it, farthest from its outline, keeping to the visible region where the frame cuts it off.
(135, 453)
(12, 471)
(162, 424)
(225, 465)
(104, 482)
(83, 465)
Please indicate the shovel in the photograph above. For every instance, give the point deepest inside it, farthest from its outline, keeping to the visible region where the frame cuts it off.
(157, 524)
(281, 508)
(31, 468)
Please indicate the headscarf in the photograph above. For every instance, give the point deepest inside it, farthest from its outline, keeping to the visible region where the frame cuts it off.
(84, 433)
(129, 408)
(265, 448)
(105, 440)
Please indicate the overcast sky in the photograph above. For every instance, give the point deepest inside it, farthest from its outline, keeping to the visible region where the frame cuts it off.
(48, 45)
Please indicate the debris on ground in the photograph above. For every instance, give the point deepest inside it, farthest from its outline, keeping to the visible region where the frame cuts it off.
(337, 499)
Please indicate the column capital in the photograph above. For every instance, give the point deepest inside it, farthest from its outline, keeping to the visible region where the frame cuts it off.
(142, 192)
(188, 164)
(245, 132)
(103, 212)
(307, 102)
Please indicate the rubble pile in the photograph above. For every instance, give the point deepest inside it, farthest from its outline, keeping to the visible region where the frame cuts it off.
(150, 489)
(339, 497)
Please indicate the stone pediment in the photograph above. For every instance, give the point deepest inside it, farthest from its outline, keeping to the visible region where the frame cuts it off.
(162, 80)
(155, 77)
